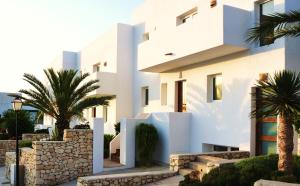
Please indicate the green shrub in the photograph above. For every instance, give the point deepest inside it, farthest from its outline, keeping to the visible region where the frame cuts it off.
(25, 123)
(118, 128)
(25, 143)
(81, 127)
(256, 168)
(227, 175)
(4, 136)
(42, 131)
(247, 172)
(107, 139)
(146, 138)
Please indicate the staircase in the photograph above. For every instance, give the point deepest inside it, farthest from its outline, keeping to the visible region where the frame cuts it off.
(115, 156)
(203, 164)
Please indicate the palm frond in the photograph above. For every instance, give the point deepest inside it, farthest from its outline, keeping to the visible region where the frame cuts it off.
(279, 95)
(275, 26)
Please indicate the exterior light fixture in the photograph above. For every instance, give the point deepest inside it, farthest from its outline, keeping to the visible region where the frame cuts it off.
(17, 106)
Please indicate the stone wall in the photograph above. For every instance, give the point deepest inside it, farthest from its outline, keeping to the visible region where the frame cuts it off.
(132, 179)
(6, 146)
(35, 137)
(54, 162)
(180, 161)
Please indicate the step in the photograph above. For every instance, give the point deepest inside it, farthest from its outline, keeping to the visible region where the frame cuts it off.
(184, 172)
(209, 159)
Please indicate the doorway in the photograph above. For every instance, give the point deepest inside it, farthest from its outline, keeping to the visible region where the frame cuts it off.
(266, 132)
(180, 96)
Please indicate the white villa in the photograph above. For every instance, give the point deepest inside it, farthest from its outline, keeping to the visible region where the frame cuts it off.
(184, 66)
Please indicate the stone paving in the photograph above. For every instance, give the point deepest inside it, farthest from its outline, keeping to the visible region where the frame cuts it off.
(3, 180)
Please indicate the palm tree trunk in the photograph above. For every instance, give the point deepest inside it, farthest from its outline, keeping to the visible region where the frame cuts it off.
(61, 125)
(285, 144)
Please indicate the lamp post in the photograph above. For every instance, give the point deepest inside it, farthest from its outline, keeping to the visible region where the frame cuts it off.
(17, 106)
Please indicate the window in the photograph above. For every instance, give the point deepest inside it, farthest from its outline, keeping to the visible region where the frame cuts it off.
(94, 112)
(214, 87)
(146, 36)
(164, 94)
(218, 148)
(266, 8)
(217, 87)
(96, 67)
(105, 113)
(187, 17)
(145, 96)
(213, 3)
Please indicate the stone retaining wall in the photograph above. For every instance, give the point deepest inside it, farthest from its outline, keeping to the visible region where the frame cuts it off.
(35, 137)
(54, 162)
(6, 146)
(180, 161)
(125, 179)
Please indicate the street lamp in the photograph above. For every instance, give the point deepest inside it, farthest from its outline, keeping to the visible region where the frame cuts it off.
(17, 106)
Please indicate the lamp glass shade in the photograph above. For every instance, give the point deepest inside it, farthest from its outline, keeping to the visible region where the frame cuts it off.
(17, 104)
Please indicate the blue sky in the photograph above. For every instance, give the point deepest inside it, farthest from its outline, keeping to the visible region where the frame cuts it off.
(33, 32)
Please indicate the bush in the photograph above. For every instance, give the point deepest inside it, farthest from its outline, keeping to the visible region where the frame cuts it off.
(146, 138)
(227, 175)
(42, 131)
(81, 127)
(25, 123)
(4, 136)
(247, 172)
(25, 143)
(260, 167)
(118, 128)
(107, 139)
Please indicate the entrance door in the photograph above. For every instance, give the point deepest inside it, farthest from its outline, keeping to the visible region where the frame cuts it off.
(180, 101)
(266, 130)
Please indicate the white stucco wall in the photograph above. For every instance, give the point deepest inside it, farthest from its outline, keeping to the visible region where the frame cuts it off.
(225, 122)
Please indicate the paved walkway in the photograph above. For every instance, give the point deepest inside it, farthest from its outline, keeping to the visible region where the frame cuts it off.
(3, 180)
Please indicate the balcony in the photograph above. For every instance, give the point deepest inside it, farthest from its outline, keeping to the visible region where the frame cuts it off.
(211, 34)
(107, 82)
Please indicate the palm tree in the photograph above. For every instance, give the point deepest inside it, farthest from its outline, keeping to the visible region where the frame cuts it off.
(275, 26)
(280, 96)
(65, 98)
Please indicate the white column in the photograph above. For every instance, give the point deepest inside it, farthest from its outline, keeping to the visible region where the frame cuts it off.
(98, 144)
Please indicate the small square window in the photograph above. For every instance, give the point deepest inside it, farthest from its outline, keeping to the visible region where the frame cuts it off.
(96, 67)
(214, 87)
(217, 87)
(105, 110)
(145, 96)
(164, 94)
(187, 16)
(146, 36)
(266, 8)
(94, 112)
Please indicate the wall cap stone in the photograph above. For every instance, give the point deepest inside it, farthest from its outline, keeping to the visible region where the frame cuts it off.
(125, 175)
(273, 183)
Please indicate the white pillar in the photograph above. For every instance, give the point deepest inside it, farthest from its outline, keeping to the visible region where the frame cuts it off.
(97, 125)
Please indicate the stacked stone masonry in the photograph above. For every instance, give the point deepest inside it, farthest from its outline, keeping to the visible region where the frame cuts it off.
(35, 137)
(131, 179)
(181, 161)
(6, 146)
(55, 162)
